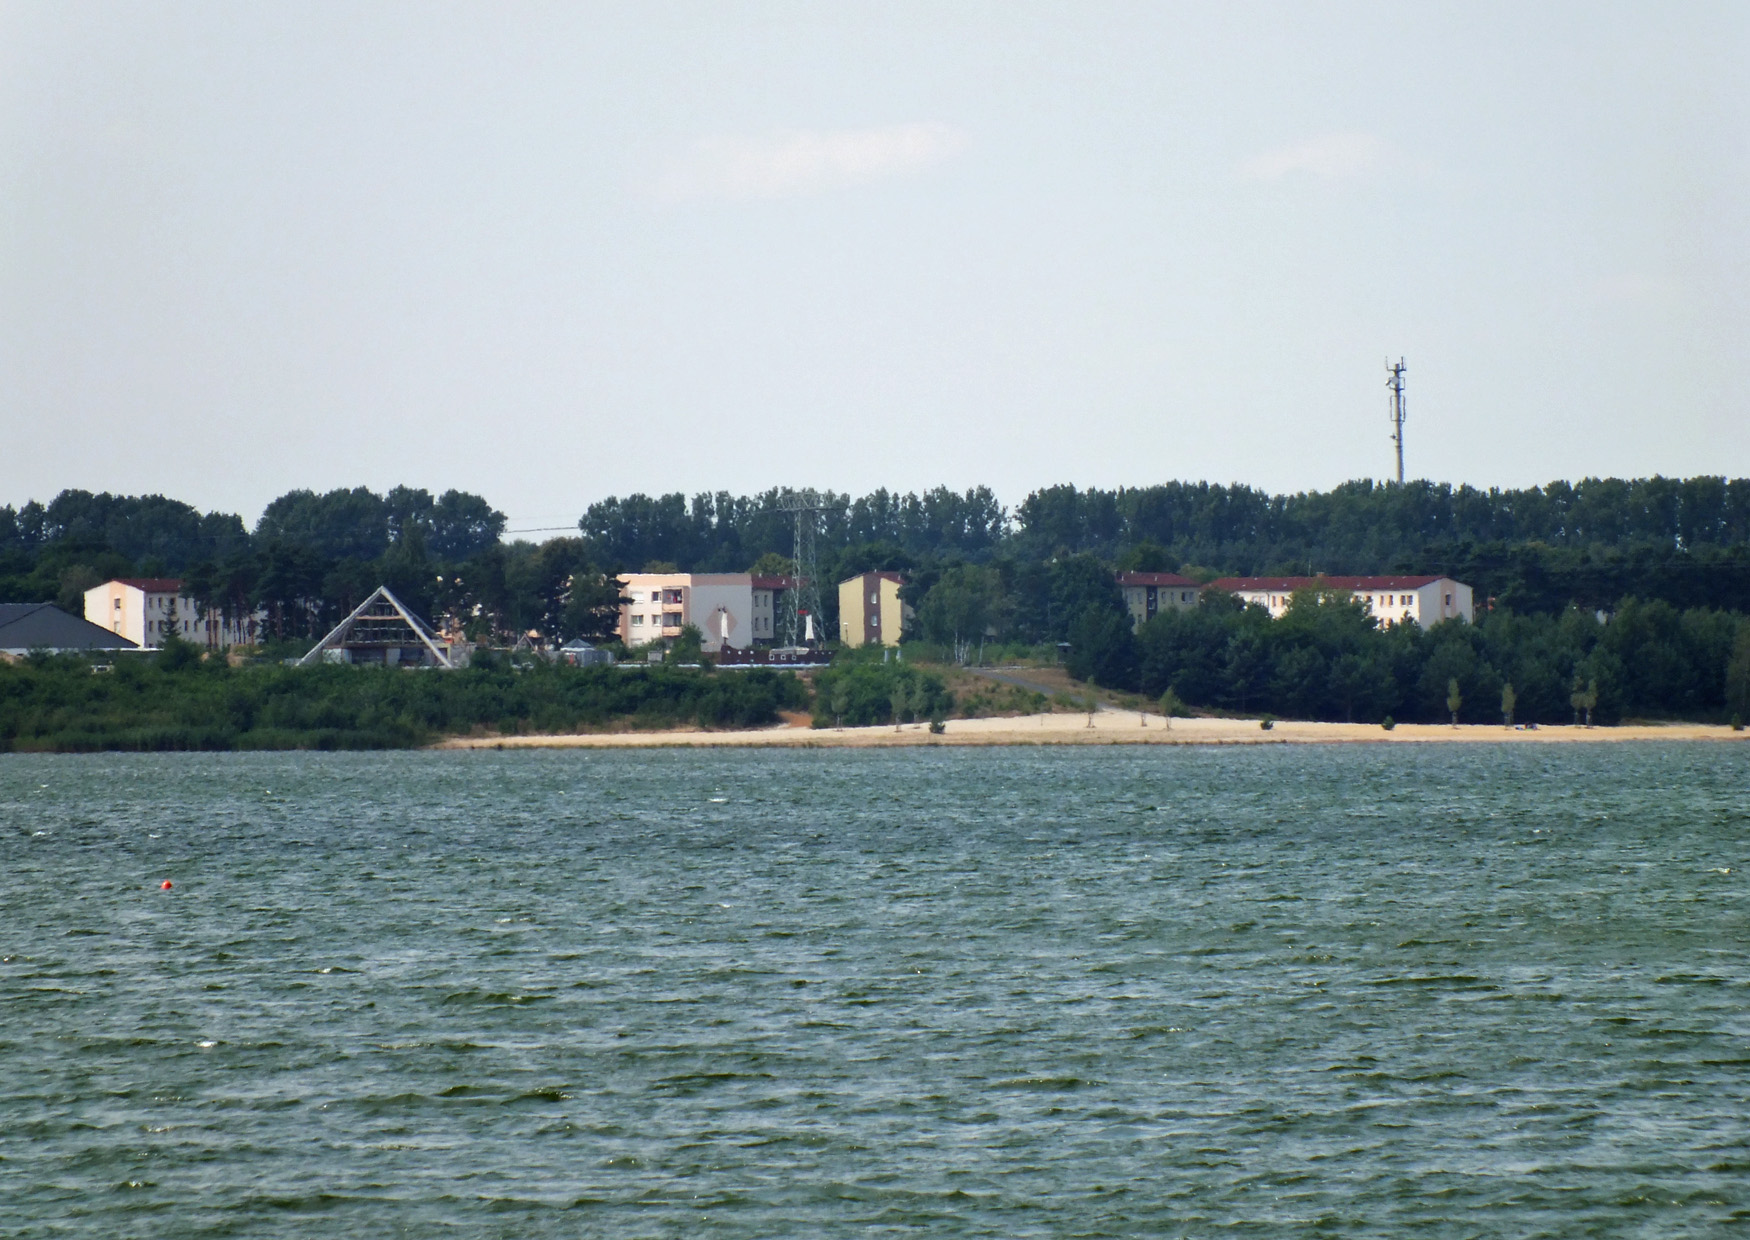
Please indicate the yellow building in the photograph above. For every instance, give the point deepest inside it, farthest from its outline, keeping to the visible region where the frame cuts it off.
(870, 613)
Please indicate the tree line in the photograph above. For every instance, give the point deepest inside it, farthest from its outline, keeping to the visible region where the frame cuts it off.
(310, 559)
(976, 570)
(1327, 658)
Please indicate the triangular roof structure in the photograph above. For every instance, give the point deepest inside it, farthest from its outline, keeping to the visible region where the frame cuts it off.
(43, 626)
(381, 621)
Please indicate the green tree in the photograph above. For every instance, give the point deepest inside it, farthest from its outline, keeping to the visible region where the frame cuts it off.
(75, 580)
(1508, 699)
(868, 691)
(688, 647)
(1454, 699)
(1584, 699)
(175, 654)
(1103, 649)
(962, 607)
(1737, 693)
(771, 564)
(592, 607)
(1146, 556)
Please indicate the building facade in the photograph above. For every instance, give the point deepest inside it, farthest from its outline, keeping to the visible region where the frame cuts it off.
(1145, 594)
(1392, 600)
(736, 610)
(146, 610)
(870, 610)
(768, 595)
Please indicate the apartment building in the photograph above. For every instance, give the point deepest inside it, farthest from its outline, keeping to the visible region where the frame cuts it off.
(1392, 600)
(870, 611)
(1145, 594)
(737, 610)
(145, 610)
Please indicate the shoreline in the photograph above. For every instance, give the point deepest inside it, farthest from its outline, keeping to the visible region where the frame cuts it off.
(1110, 727)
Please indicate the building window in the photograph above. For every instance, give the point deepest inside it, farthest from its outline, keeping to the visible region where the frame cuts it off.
(1449, 600)
(638, 621)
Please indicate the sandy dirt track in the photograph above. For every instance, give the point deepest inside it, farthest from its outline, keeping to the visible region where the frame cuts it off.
(1110, 727)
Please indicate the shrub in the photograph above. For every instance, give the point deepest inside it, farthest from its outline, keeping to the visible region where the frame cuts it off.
(867, 692)
(182, 703)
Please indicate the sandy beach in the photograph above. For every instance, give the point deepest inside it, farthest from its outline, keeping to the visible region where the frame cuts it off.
(1109, 727)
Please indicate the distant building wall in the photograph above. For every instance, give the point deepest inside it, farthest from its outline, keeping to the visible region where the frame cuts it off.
(1146, 594)
(1391, 600)
(146, 610)
(720, 605)
(655, 606)
(767, 591)
(870, 611)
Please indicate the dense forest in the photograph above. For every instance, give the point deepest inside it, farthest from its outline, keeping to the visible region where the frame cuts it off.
(1566, 575)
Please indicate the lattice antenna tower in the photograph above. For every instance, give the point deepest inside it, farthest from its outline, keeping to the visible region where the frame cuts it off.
(1395, 382)
(804, 591)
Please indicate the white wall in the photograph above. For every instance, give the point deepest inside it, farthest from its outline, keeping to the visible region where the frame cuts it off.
(733, 594)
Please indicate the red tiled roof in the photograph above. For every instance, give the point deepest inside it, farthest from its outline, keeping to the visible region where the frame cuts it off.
(1156, 579)
(771, 583)
(1288, 585)
(153, 585)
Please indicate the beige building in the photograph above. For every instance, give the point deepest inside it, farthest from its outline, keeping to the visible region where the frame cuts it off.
(738, 610)
(1148, 593)
(145, 610)
(870, 613)
(1392, 600)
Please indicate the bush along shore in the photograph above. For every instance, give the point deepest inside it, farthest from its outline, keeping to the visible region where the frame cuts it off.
(177, 700)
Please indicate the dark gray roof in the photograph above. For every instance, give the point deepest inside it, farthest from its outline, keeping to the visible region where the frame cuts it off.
(43, 626)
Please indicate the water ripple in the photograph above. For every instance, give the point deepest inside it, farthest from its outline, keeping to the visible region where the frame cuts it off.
(1443, 991)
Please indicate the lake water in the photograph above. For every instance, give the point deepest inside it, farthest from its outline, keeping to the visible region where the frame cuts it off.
(1429, 990)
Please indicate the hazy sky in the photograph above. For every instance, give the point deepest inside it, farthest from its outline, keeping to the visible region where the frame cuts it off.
(550, 253)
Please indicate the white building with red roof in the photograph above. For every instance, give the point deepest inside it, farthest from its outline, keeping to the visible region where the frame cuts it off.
(146, 610)
(1392, 600)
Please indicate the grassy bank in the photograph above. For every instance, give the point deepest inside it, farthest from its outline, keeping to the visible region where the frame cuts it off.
(153, 703)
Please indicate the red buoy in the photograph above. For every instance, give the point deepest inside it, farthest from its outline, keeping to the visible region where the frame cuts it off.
(165, 885)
